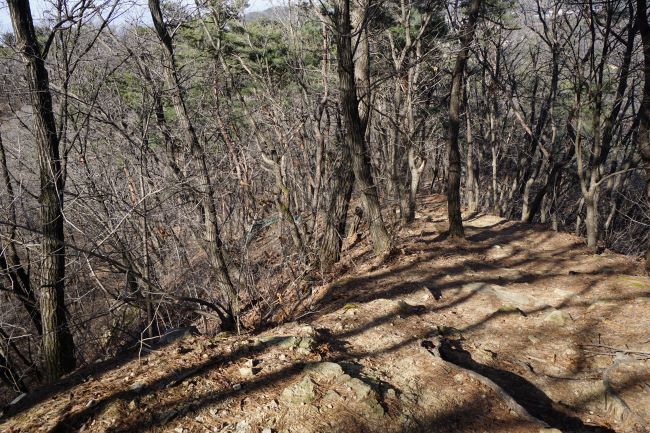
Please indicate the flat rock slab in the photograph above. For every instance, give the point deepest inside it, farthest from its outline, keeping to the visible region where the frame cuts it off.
(505, 295)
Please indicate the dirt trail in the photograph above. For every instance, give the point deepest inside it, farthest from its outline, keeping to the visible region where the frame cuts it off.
(517, 329)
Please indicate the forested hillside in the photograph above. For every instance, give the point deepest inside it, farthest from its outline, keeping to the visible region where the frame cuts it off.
(184, 167)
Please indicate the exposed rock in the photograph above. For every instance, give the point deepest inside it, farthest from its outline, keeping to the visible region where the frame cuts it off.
(508, 297)
(301, 392)
(369, 398)
(329, 370)
(300, 344)
(175, 334)
(331, 396)
(343, 378)
(374, 408)
(601, 304)
(359, 387)
(549, 430)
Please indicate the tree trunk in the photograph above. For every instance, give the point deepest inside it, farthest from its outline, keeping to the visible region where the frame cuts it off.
(471, 182)
(453, 154)
(337, 212)
(58, 346)
(416, 167)
(354, 133)
(644, 110)
(493, 188)
(591, 220)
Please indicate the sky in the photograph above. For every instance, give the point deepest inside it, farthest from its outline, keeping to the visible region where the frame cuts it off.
(40, 6)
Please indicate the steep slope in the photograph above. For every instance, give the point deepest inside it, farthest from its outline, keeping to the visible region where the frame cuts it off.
(517, 329)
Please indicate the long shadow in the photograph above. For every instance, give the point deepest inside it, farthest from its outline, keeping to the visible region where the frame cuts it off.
(531, 398)
(525, 390)
(43, 393)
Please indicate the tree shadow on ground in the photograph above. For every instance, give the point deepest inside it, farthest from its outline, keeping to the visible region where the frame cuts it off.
(531, 398)
(363, 288)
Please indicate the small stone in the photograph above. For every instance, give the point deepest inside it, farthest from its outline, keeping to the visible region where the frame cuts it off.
(533, 339)
(459, 377)
(132, 405)
(179, 430)
(406, 308)
(252, 363)
(245, 371)
(557, 317)
(549, 430)
(390, 393)
(137, 386)
(282, 357)
(242, 427)
(236, 387)
(267, 430)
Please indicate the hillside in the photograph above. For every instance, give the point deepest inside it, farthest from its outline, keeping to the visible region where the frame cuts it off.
(517, 329)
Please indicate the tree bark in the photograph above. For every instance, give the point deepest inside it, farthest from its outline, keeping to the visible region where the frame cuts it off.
(471, 182)
(354, 132)
(453, 154)
(58, 346)
(337, 211)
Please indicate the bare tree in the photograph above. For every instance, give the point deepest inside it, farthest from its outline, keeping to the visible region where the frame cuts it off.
(212, 237)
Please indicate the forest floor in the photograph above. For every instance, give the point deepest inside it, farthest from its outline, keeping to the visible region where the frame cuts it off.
(516, 329)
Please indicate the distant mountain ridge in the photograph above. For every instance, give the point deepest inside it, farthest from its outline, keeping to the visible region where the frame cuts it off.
(273, 13)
